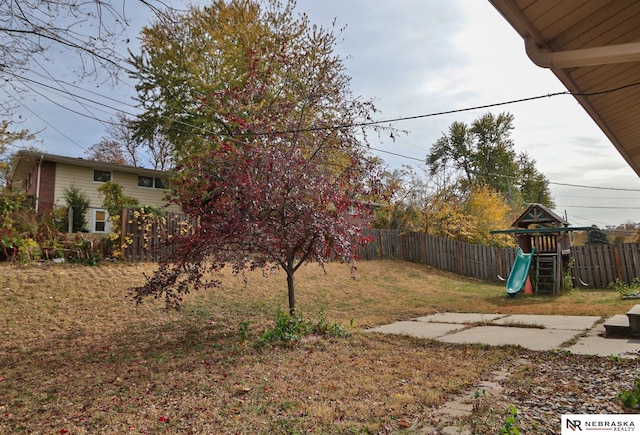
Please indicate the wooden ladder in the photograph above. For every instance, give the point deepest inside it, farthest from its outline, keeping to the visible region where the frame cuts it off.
(546, 274)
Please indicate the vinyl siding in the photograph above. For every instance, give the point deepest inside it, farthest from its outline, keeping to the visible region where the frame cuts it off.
(82, 178)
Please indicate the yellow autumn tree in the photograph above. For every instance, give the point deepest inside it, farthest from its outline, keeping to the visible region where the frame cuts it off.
(485, 210)
(443, 215)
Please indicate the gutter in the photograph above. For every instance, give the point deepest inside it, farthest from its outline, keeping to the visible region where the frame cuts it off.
(609, 54)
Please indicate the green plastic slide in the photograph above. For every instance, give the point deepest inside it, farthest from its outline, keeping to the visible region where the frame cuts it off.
(519, 272)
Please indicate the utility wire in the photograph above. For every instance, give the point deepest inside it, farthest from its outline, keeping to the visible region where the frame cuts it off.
(446, 112)
(598, 206)
(53, 127)
(512, 177)
(26, 80)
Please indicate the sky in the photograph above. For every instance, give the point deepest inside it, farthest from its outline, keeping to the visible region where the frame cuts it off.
(414, 58)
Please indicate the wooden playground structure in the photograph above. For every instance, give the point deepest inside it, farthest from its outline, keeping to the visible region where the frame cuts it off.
(545, 236)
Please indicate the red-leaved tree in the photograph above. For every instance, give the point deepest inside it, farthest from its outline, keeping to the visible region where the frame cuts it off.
(257, 205)
(276, 182)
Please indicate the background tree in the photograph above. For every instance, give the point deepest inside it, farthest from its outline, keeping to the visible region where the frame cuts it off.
(495, 162)
(160, 149)
(107, 151)
(534, 186)
(260, 115)
(487, 210)
(398, 208)
(8, 143)
(597, 237)
(118, 147)
(121, 148)
(483, 153)
(443, 214)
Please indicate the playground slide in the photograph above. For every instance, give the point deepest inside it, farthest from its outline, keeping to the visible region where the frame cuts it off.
(519, 272)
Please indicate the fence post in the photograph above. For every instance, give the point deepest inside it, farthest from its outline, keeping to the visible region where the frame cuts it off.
(618, 263)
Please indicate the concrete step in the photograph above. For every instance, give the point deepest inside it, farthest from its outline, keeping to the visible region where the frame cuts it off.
(634, 318)
(617, 326)
(622, 325)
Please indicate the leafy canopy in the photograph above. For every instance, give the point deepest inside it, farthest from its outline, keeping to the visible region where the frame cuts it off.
(261, 117)
(192, 63)
(483, 153)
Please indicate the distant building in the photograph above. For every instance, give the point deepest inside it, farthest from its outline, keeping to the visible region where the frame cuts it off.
(46, 177)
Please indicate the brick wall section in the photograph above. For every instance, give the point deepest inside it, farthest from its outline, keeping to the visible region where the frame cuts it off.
(47, 185)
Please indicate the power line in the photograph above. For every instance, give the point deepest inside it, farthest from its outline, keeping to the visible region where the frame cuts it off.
(397, 155)
(433, 114)
(622, 189)
(616, 198)
(71, 95)
(511, 177)
(599, 206)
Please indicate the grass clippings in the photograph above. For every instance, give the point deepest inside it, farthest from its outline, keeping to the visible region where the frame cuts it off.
(77, 356)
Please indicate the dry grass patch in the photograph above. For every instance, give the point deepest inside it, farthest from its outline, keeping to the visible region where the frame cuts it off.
(78, 357)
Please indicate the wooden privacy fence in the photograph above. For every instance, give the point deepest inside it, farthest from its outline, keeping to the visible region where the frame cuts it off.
(148, 239)
(477, 261)
(594, 266)
(599, 265)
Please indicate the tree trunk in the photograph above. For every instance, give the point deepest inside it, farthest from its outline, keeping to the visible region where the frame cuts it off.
(291, 291)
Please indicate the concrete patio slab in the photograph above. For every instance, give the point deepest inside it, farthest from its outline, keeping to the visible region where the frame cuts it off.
(502, 329)
(418, 329)
(530, 338)
(574, 323)
(465, 318)
(600, 346)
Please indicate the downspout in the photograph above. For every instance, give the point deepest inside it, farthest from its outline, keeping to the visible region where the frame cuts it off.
(38, 182)
(620, 53)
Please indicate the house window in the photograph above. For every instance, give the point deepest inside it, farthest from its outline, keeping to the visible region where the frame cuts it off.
(160, 183)
(101, 176)
(144, 181)
(100, 221)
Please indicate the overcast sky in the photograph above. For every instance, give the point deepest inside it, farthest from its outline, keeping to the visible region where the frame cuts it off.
(420, 57)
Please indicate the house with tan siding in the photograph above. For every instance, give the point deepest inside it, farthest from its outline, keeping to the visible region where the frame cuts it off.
(46, 177)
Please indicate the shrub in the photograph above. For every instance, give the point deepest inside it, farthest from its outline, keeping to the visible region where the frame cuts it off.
(290, 329)
(114, 201)
(78, 202)
(631, 398)
(625, 289)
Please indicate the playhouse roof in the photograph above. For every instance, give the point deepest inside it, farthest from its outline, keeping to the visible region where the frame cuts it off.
(538, 214)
